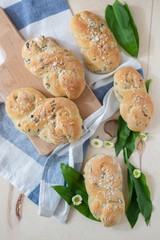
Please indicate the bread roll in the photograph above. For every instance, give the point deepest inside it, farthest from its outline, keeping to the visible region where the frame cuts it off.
(103, 180)
(55, 120)
(60, 69)
(136, 106)
(96, 42)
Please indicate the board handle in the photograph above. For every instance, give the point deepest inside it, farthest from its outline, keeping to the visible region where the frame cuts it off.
(10, 38)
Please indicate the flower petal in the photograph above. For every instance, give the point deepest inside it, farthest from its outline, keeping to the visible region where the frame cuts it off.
(96, 143)
(136, 173)
(108, 144)
(143, 136)
(77, 199)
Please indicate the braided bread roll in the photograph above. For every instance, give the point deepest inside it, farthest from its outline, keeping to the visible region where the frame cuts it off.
(60, 69)
(96, 42)
(55, 120)
(103, 180)
(136, 106)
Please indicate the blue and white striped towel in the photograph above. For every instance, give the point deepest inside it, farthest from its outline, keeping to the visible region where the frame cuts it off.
(20, 163)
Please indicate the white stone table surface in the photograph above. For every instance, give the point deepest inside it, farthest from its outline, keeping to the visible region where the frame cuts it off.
(146, 14)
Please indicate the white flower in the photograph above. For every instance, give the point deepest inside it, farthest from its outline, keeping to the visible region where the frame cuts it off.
(108, 144)
(143, 136)
(96, 143)
(136, 173)
(77, 199)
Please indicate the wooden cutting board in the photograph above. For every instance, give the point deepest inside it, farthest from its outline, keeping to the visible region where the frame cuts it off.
(13, 74)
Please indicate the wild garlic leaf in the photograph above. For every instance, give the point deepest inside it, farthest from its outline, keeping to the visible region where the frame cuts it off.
(121, 24)
(148, 84)
(132, 211)
(143, 197)
(132, 23)
(141, 189)
(73, 178)
(123, 133)
(84, 209)
(67, 193)
(130, 185)
(130, 142)
(76, 186)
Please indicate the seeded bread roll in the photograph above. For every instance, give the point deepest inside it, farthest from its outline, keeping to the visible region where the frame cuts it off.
(60, 69)
(136, 106)
(55, 120)
(96, 42)
(103, 180)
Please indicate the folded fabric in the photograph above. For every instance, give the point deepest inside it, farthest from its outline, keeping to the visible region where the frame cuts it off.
(20, 163)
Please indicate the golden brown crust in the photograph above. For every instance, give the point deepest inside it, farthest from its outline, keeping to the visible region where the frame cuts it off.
(55, 120)
(103, 180)
(60, 69)
(96, 42)
(136, 106)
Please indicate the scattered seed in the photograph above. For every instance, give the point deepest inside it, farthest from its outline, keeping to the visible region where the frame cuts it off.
(27, 60)
(44, 48)
(36, 120)
(27, 45)
(27, 98)
(105, 219)
(47, 85)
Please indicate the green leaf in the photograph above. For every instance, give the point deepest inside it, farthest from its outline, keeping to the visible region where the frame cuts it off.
(125, 138)
(132, 211)
(130, 186)
(134, 27)
(84, 209)
(121, 24)
(130, 142)
(148, 84)
(143, 197)
(67, 193)
(123, 133)
(141, 189)
(73, 178)
(76, 185)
